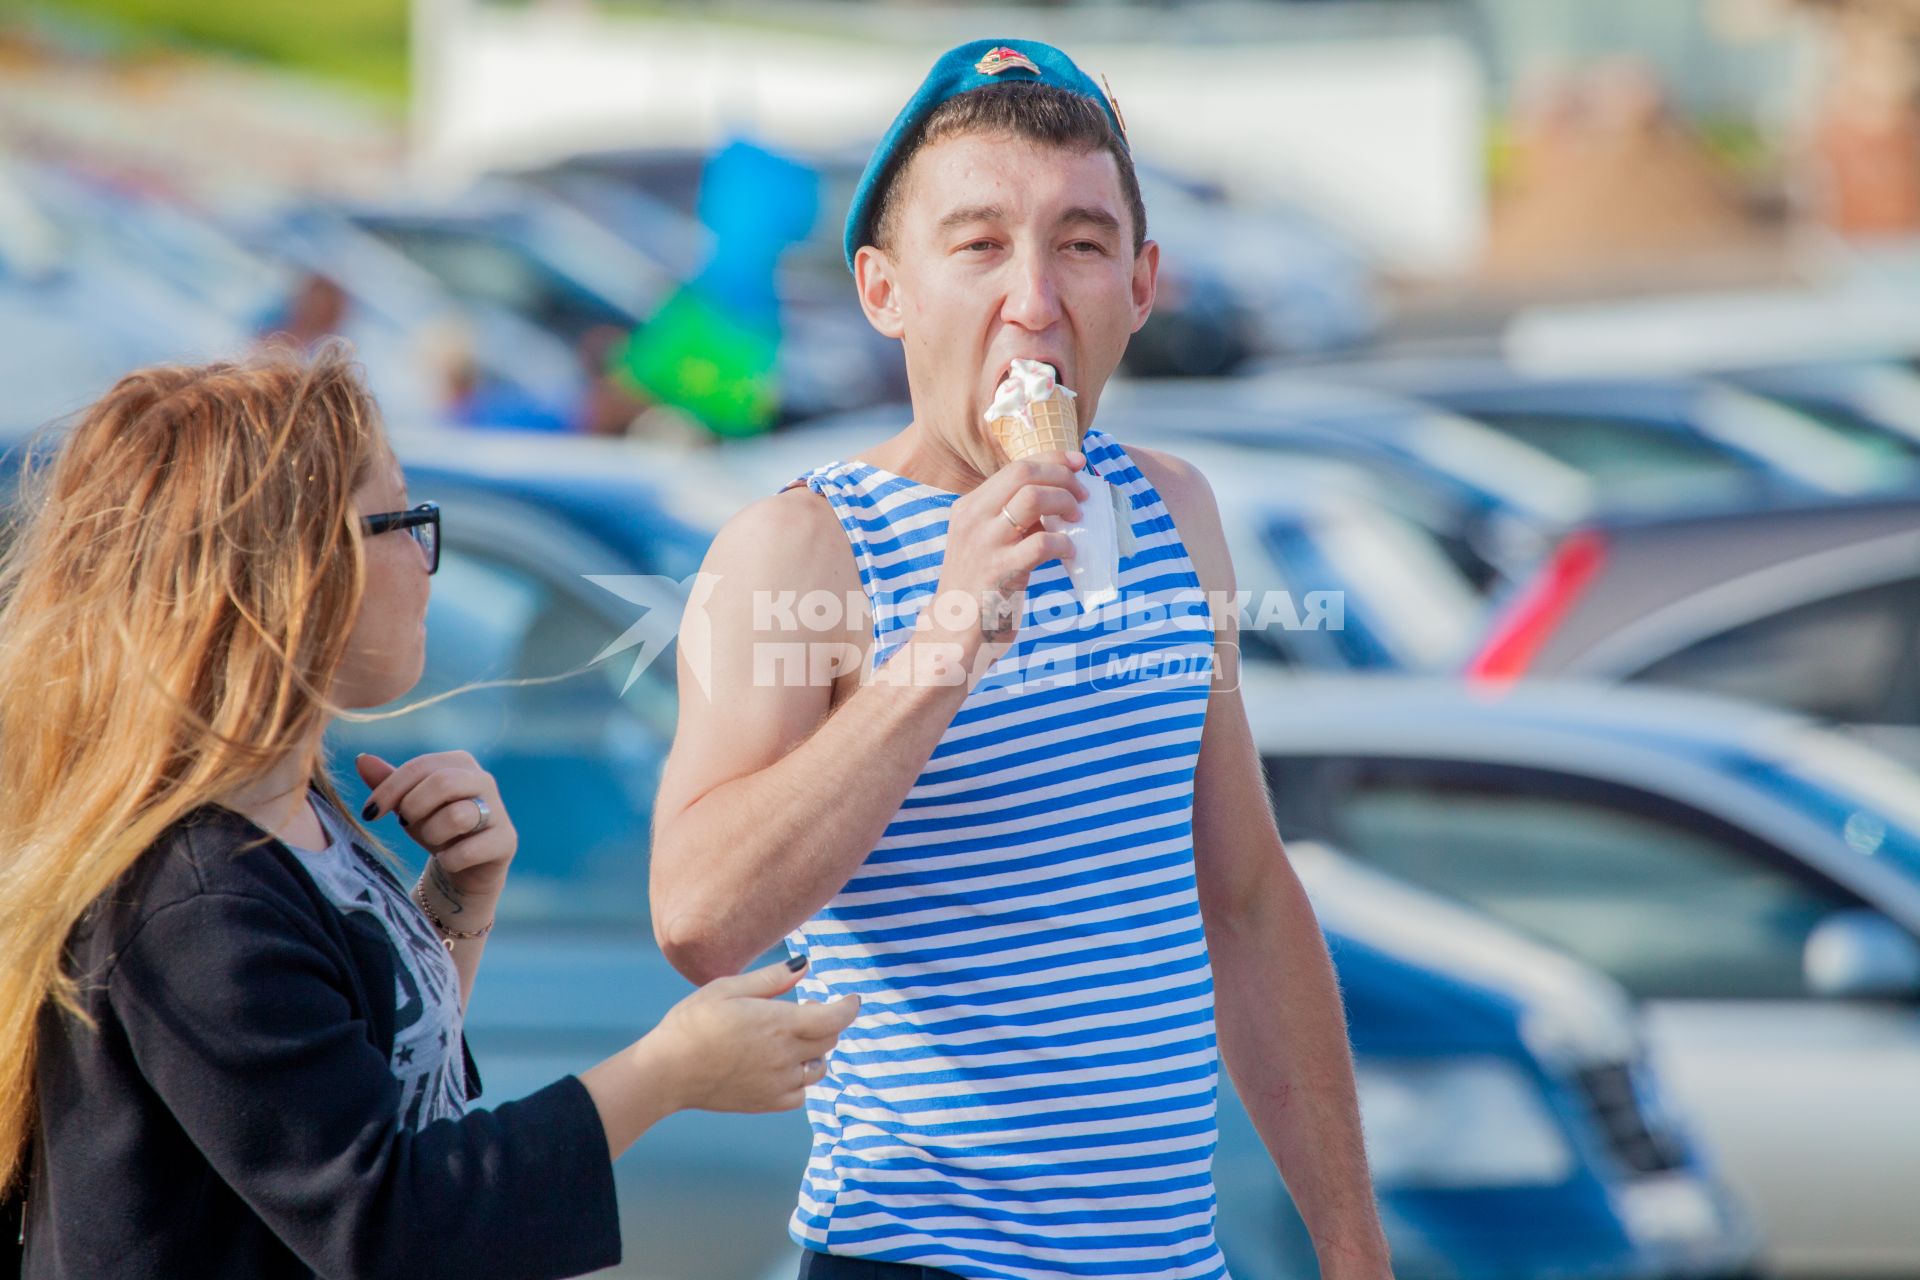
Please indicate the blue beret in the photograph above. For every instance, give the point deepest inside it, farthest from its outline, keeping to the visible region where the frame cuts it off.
(973, 65)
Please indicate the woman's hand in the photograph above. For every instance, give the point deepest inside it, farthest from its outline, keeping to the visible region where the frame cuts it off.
(733, 1046)
(435, 797)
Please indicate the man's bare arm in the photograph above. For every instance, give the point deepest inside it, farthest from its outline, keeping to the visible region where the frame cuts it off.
(768, 804)
(1282, 1029)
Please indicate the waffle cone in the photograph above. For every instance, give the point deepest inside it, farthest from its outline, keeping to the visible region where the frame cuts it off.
(1055, 425)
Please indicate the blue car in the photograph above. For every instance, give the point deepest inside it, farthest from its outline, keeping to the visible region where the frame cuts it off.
(1515, 1123)
(1533, 1097)
(1750, 876)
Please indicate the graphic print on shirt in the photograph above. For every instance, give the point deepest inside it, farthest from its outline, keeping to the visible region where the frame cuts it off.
(427, 1059)
(1029, 1091)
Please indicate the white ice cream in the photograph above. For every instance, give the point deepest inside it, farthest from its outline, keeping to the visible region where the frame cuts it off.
(1026, 382)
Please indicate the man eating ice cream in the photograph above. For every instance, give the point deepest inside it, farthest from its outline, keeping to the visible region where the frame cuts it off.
(1029, 826)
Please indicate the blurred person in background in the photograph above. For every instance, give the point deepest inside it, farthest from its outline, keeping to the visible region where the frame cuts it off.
(314, 312)
(607, 408)
(468, 397)
(230, 1037)
(1034, 885)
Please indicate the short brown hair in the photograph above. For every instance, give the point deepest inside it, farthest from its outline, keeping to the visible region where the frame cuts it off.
(1041, 113)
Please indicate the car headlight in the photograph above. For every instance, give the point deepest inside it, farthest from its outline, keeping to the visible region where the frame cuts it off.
(1458, 1122)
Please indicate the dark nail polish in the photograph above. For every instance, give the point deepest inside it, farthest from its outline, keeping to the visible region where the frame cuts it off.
(796, 963)
(401, 816)
(366, 814)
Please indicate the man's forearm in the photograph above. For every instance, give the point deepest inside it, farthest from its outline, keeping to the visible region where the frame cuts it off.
(1283, 1037)
(758, 855)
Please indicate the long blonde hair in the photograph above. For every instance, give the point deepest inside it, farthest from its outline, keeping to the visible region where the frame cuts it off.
(173, 610)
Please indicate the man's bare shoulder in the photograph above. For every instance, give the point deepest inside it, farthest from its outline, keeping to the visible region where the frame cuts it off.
(1182, 485)
(1195, 511)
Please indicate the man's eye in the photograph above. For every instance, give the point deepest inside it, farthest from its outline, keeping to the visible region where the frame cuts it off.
(1094, 245)
(977, 243)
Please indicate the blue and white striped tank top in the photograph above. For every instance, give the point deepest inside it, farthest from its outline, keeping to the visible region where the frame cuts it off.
(1029, 1090)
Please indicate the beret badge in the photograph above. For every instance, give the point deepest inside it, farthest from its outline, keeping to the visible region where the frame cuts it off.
(1001, 58)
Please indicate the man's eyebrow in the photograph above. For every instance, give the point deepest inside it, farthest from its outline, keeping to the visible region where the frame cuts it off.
(1084, 215)
(1092, 216)
(970, 214)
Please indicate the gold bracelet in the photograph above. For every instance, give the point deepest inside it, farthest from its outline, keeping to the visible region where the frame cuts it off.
(447, 936)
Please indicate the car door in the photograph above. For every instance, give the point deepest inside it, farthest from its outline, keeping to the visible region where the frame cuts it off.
(572, 973)
(1811, 1104)
(1851, 656)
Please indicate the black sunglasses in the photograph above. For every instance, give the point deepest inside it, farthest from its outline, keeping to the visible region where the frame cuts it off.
(421, 522)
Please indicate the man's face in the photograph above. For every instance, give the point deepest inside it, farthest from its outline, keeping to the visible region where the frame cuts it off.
(1005, 248)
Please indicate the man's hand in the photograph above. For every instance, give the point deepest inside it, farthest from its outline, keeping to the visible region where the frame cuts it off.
(989, 559)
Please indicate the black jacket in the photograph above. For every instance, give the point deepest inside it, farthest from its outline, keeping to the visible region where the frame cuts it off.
(233, 1113)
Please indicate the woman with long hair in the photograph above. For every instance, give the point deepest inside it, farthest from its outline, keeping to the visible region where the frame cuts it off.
(230, 1036)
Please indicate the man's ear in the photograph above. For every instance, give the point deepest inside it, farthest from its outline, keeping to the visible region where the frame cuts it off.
(1146, 279)
(873, 275)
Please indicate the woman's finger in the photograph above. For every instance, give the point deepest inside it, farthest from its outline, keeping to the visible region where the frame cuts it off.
(477, 850)
(406, 776)
(443, 807)
(454, 822)
(815, 1046)
(440, 787)
(815, 1020)
(766, 982)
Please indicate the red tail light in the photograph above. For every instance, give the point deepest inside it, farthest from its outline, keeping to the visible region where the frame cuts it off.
(1539, 607)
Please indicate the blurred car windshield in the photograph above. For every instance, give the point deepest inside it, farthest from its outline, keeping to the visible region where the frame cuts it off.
(1631, 463)
(1668, 901)
(1411, 600)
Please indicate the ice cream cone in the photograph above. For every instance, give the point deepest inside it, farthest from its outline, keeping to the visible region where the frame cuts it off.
(1055, 425)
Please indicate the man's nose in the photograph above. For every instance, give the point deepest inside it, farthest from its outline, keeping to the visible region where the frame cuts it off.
(1033, 295)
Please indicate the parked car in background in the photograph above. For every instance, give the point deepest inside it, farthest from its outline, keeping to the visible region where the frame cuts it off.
(1813, 607)
(1307, 289)
(1504, 1085)
(1647, 441)
(412, 330)
(1334, 577)
(95, 281)
(1493, 504)
(1515, 1123)
(1754, 879)
(1873, 402)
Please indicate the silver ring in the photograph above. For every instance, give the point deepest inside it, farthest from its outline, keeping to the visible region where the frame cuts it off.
(486, 815)
(1011, 520)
